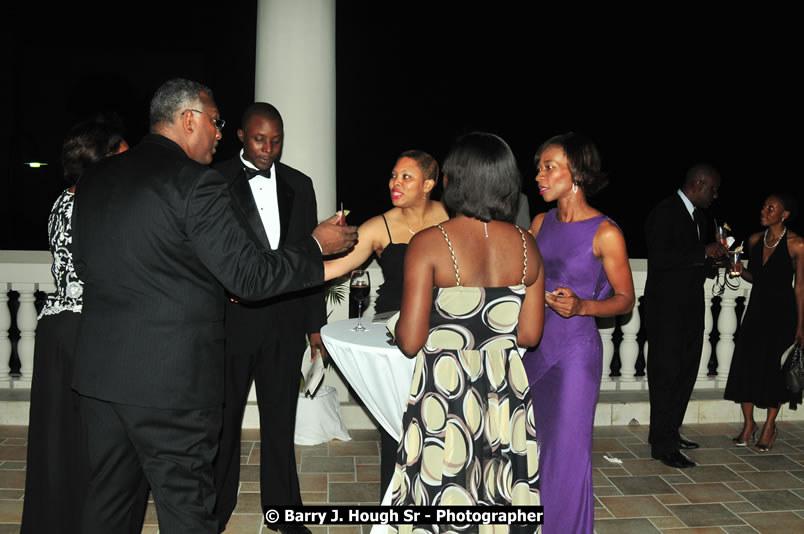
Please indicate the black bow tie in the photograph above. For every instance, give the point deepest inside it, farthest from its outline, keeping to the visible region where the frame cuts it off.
(251, 173)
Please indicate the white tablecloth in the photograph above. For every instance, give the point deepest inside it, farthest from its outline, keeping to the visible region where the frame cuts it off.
(378, 372)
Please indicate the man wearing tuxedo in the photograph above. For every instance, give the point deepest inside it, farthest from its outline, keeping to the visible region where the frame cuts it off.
(155, 243)
(265, 340)
(678, 260)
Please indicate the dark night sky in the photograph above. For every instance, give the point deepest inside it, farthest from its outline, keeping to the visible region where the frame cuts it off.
(657, 91)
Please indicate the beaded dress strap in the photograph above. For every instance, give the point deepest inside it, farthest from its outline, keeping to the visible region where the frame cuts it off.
(525, 247)
(452, 253)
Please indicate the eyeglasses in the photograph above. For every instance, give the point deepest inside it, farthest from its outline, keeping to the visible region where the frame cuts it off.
(219, 123)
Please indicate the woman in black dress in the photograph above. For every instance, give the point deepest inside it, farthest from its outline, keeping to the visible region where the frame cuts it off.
(773, 320)
(387, 235)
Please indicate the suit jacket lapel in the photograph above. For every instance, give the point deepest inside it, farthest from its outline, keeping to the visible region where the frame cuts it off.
(284, 198)
(689, 221)
(244, 200)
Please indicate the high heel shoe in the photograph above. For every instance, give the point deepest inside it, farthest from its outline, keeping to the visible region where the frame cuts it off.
(737, 442)
(762, 447)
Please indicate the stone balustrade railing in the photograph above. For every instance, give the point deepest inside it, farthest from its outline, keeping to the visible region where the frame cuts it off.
(27, 272)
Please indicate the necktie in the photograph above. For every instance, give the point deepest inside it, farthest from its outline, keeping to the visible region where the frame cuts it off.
(251, 173)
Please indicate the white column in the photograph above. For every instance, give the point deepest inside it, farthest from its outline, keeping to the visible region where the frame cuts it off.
(26, 322)
(5, 343)
(295, 72)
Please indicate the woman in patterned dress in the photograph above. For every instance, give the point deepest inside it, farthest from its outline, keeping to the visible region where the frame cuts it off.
(473, 290)
(56, 477)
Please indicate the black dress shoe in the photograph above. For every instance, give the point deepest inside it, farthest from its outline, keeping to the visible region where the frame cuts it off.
(674, 459)
(292, 529)
(684, 444)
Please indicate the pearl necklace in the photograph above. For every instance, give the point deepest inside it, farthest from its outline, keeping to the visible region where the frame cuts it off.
(765, 238)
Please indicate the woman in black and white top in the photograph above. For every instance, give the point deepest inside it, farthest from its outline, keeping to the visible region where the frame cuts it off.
(56, 477)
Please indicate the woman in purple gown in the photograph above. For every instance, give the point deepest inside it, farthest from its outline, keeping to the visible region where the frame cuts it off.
(587, 275)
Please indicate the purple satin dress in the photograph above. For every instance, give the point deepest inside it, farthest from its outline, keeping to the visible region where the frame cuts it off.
(564, 373)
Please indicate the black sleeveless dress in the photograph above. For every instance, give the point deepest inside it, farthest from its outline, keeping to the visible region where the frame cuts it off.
(392, 263)
(767, 330)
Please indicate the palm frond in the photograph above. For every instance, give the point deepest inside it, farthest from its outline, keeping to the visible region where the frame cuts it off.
(336, 290)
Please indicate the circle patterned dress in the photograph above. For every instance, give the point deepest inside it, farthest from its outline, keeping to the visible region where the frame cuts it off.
(468, 436)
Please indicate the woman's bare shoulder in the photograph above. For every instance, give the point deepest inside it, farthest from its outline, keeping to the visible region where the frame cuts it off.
(609, 239)
(423, 243)
(795, 243)
(609, 228)
(372, 227)
(536, 224)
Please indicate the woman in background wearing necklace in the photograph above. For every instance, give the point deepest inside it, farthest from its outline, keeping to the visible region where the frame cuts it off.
(773, 320)
(413, 178)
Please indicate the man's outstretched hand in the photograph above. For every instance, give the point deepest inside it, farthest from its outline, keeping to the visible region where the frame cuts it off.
(333, 237)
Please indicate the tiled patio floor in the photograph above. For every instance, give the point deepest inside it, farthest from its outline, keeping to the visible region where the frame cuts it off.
(733, 490)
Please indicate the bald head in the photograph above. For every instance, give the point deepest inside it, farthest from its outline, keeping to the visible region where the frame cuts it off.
(701, 185)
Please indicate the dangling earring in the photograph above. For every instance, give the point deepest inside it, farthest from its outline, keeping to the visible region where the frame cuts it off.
(574, 187)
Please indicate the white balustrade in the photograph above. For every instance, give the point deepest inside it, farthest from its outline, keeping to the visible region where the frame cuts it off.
(726, 327)
(606, 327)
(26, 323)
(24, 271)
(702, 380)
(629, 348)
(29, 271)
(5, 342)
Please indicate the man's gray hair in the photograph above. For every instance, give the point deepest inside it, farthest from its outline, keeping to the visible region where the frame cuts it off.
(173, 97)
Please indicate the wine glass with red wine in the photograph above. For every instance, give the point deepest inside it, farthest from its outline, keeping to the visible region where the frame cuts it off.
(360, 288)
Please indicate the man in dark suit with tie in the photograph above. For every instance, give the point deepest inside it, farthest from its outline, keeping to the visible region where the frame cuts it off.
(676, 232)
(156, 241)
(265, 340)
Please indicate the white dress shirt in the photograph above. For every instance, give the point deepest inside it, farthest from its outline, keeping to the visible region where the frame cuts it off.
(690, 208)
(263, 188)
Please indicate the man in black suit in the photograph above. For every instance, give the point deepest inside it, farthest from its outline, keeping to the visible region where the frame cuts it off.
(155, 243)
(676, 231)
(265, 340)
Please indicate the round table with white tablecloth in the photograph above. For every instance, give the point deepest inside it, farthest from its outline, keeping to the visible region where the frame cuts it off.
(376, 370)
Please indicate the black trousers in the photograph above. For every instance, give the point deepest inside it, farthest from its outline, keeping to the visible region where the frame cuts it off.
(275, 368)
(57, 472)
(675, 340)
(173, 449)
